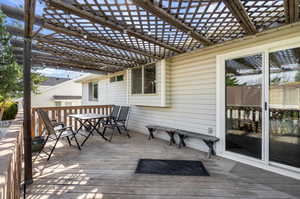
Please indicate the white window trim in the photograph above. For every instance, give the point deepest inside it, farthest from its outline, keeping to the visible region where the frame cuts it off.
(220, 106)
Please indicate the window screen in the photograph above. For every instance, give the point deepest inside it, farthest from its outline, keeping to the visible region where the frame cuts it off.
(136, 81)
(149, 79)
(93, 91)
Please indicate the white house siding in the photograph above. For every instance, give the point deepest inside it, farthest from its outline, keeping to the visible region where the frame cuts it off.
(192, 98)
(45, 96)
(108, 93)
(193, 89)
(117, 92)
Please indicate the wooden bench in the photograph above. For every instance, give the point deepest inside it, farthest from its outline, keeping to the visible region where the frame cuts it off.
(183, 134)
(170, 131)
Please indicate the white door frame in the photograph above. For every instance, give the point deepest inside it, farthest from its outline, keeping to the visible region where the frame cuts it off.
(220, 109)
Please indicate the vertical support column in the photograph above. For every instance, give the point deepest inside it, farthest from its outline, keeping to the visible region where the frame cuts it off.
(27, 111)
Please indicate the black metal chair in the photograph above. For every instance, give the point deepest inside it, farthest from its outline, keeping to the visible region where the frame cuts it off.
(113, 115)
(115, 111)
(54, 132)
(120, 122)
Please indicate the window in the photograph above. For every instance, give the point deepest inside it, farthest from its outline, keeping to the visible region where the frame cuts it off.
(136, 82)
(57, 103)
(117, 78)
(143, 80)
(93, 91)
(149, 79)
(120, 78)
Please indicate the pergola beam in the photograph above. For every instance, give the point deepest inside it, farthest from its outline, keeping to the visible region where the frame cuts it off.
(113, 25)
(84, 58)
(38, 62)
(291, 9)
(96, 66)
(238, 11)
(149, 6)
(18, 14)
(74, 46)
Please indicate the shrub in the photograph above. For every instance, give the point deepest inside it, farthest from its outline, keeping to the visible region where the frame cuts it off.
(10, 111)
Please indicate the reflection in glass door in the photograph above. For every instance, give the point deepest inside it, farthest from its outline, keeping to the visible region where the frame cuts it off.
(243, 83)
(284, 107)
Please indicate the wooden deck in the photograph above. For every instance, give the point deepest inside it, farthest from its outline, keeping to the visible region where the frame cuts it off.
(106, 170)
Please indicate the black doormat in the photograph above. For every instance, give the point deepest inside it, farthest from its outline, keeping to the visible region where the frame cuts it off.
(171, 167)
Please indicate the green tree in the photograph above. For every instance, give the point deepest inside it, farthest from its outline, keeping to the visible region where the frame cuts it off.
(231, 81)
(11, 79)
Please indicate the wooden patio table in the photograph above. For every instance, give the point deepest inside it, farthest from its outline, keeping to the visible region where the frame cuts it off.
(87, 119)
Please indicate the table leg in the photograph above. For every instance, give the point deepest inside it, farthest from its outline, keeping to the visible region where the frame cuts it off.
(171, 135)
(94, 128)
(181, 140)
(151, 136)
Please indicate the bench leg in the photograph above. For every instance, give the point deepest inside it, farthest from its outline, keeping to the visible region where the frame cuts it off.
(171, 135)
(151, 136)
(181, 140)
(211, 150)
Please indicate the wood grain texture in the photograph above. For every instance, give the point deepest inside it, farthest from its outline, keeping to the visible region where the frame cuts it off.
(106, 170)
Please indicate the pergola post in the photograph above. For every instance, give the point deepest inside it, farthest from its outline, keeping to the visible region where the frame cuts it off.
(29, 9)
(27, 111)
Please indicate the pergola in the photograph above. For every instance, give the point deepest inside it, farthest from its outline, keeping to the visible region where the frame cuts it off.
(112, 35)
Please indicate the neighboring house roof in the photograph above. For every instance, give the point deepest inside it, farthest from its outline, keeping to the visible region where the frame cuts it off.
(52, 81)
(90, 77)
(66, 97)
(93, 77)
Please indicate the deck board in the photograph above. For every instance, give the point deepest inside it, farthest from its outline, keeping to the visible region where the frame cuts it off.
(106, 171)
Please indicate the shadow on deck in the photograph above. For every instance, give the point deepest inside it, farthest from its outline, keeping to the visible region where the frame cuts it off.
(106, 170)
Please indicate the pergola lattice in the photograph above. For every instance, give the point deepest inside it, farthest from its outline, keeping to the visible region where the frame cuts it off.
(111, 35)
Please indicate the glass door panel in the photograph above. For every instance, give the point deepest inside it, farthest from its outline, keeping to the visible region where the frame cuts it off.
(284, 107)
(243, 83)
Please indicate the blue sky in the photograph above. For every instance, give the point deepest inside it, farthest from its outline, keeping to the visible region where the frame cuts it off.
(39, 11)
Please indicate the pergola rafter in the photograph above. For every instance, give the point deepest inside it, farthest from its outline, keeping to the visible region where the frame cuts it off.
(237, 9)
(60, 28)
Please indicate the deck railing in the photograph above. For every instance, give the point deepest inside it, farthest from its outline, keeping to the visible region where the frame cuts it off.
(11, 154)
(60, 114)
(251, 116)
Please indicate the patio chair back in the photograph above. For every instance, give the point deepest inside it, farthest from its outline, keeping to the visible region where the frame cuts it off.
(115, 111)
(123, 114)
(43, 115)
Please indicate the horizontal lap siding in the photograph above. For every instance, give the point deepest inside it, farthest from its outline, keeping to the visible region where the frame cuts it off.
(192, 86)
(118, 92)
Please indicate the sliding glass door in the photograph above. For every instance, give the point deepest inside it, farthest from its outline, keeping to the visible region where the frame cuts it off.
(262, 107)
(243, 83)
(284, 107)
